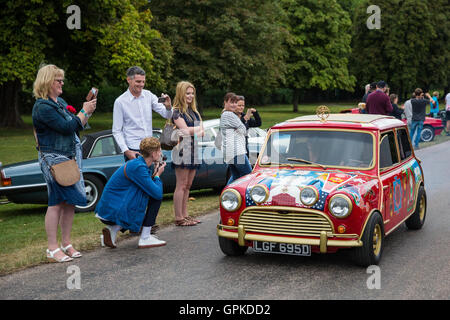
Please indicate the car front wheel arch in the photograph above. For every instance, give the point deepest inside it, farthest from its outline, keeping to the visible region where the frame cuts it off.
(94, 188)
(373, 242)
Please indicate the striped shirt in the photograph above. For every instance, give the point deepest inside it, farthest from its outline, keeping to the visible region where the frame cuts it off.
(233, 136)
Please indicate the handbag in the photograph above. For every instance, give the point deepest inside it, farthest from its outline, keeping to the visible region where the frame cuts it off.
(169, 136)
(65, 173)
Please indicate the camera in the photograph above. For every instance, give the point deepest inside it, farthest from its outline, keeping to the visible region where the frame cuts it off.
(158, 164)
(161, 99)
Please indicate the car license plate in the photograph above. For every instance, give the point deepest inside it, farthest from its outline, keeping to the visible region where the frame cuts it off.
(282, 248)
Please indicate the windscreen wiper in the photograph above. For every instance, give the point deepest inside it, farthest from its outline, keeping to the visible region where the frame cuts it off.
(307, 162)
(276, 164)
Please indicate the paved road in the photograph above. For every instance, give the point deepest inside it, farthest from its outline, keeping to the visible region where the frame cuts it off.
(415, 264)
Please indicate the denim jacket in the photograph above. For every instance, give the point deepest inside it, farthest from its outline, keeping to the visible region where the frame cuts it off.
(124, 199)
(55, 126)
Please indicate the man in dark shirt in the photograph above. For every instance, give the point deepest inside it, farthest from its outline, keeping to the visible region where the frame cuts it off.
(378, 101)
(419, 105)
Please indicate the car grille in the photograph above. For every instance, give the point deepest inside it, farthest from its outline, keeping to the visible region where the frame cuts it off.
(285, 222)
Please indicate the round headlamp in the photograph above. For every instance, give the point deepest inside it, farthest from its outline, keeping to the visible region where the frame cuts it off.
(309, 196)
(340, 206)
(230, 200)
(259, 193)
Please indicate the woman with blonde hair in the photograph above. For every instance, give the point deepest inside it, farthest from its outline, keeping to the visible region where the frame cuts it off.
(184, 156)
(58, 141)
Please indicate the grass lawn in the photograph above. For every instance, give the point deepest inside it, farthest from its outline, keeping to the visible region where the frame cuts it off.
(22, 234)
(23, 239)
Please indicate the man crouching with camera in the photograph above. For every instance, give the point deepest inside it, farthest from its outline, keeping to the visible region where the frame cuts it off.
(132, 197)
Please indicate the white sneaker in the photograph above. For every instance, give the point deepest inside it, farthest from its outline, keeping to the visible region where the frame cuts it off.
(150, 242)
(109, 236)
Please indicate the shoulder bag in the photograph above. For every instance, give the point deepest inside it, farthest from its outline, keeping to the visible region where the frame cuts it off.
(169, 136)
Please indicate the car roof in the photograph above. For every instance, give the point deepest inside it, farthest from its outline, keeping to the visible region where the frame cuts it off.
(347, 120)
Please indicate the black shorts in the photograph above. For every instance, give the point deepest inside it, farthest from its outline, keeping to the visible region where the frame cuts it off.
(447, 115)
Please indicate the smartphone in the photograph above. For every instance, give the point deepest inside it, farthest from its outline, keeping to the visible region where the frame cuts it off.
(92, 94)
(161, 99)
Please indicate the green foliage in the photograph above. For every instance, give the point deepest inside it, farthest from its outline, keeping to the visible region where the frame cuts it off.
(319, 45)
(114, 36)
(22, 39)
(223, 45)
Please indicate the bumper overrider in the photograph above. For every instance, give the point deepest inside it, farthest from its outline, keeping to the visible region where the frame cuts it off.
(287, 225)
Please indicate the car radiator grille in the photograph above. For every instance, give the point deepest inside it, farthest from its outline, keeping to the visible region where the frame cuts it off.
(292, 223)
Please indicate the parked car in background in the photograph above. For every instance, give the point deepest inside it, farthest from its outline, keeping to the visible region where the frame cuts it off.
(24, 183)
(431, 126)
(324, 184)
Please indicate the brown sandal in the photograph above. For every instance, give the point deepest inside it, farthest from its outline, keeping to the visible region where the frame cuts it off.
(193, 219)
(185, 223)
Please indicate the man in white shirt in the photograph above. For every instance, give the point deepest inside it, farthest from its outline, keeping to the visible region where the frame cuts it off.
(132, 115)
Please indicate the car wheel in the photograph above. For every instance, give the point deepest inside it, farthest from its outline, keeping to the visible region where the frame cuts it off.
(231, 247)
(373, 240)
(427, 134)
(94, 189)
(417, 219)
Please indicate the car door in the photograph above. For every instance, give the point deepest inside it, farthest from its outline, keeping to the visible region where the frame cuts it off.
(408, 163)
(392, 178)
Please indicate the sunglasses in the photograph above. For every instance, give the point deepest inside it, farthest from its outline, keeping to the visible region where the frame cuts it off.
(60, 81)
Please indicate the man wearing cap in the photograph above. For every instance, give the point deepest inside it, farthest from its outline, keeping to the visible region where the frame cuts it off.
(378, 101)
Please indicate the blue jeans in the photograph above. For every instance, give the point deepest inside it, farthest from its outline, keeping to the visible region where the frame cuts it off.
(416, 128)
(239, 167)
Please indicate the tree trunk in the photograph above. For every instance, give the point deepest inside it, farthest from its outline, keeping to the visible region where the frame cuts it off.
(295, 98)
(9, 105)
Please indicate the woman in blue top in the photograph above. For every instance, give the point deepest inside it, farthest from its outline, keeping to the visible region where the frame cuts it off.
(128, 192)
(57, 137)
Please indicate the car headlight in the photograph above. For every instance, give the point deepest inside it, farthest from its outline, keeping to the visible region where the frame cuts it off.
(340, 206)
(309, 196)
(259, 193)
(231, 200)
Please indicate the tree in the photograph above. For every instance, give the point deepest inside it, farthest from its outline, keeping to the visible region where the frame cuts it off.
(222, 44)
(22, 41)
(318, 46)
(114, 35)
(408, 51)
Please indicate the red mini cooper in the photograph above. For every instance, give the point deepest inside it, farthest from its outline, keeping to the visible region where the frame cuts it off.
(322, 183)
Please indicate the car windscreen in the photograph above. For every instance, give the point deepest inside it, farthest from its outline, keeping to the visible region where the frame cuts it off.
(327, 148)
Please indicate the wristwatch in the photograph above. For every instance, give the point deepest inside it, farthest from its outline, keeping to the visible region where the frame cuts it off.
(85, 113)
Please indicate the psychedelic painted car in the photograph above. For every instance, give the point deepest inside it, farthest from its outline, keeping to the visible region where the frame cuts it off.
(324, 184)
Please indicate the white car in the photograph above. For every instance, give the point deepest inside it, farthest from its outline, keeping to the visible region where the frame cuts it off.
(256, 137)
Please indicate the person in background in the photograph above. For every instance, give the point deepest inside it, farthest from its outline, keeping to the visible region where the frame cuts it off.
(396, 110)
(128, 193)
(132, 113)
(57, 136)
(419, 105)
(407, 107)
(251, 119)
(434, 105)
(378, 101)
(185, 155)
(233, 133)
(372, 88)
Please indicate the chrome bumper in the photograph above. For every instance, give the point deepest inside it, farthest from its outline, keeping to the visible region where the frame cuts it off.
(323, 242)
